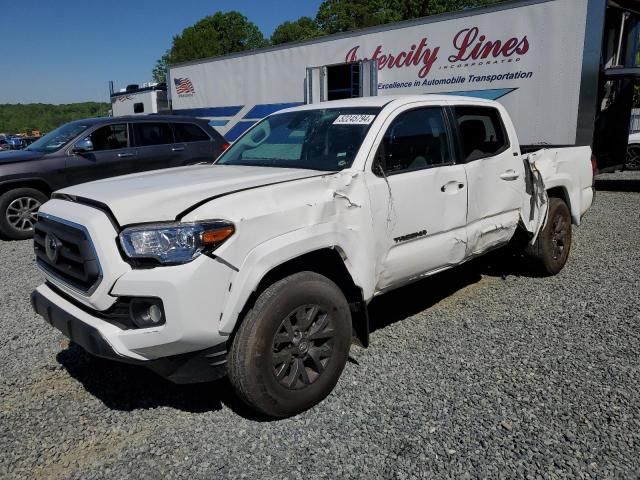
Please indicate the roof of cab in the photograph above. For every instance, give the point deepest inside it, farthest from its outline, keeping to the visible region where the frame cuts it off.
(384, 100)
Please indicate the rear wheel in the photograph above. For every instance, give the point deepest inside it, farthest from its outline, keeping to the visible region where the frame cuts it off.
(633, 157)
(551, 248)
(18, 212)
(292, 346)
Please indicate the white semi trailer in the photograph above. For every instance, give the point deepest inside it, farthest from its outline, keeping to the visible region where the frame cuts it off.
(564, 69)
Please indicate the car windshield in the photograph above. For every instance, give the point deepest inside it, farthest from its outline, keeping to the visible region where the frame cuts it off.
(58, 138)
(322, 139)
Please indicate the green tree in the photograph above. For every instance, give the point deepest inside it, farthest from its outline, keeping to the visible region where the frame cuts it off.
(443, 6)
(159, 73)
(408, 9)
(301, 29)
(214, 35)
(344, 15)
(16, 118)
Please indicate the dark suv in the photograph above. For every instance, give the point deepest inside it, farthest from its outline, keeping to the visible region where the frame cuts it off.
(92, 149)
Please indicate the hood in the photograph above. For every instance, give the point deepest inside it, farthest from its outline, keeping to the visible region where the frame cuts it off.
(162, 195)
(13, 156)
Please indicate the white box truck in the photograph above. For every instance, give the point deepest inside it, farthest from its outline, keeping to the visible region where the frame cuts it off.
(564, 69)
(139, 100)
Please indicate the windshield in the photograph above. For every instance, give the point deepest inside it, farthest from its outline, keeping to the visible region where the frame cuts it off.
(58, 138)
(326, 139)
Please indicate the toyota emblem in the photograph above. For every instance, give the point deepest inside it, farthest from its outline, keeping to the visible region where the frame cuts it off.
(52, 247)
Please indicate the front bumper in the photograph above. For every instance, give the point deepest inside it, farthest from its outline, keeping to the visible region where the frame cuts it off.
(198, 366)
(193, 295)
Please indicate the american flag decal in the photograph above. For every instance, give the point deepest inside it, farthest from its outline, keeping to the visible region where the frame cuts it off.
(183, 86)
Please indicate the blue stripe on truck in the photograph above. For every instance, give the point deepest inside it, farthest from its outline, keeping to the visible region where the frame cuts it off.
(490, 94)
(238, 129)
(218, 123)
(229, 111)
(262, 110)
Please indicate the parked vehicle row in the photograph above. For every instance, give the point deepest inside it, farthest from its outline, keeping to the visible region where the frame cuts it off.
(261, 266)
(93, 149)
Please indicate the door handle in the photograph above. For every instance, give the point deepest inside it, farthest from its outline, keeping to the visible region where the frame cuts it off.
(509, 175)
(177, 149)
(125, 155)
(452, 187)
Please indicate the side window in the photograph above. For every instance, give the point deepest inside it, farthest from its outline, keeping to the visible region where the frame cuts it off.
(152, 134)
(482, 133)
(189, 132)
(110, 137)
(138, 107)
(416, 139)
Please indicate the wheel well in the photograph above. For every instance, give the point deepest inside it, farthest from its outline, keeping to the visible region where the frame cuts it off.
(561, 193)
(39, 185)
(327, 262)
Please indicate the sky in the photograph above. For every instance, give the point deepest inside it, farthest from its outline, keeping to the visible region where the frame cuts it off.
(66, 51)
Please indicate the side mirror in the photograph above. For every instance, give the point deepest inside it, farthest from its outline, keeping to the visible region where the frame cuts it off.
(83, 146)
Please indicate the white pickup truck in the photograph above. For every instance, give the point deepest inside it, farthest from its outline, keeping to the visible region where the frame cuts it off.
(261, 266)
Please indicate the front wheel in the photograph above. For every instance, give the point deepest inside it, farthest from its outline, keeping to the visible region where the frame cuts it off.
(551, 248)
(18, 212)
(292, 346)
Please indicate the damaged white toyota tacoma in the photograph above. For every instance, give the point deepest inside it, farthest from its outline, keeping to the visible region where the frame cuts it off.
(261, 266)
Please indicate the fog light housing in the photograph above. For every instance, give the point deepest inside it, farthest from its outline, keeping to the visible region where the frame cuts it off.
(146, 312)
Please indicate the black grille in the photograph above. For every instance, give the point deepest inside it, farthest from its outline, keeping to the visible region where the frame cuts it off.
(74, 261)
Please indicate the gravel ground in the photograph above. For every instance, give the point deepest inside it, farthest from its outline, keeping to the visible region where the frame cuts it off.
(484, 371)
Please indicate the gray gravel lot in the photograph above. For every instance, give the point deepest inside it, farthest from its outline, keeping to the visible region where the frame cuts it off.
(484, 371)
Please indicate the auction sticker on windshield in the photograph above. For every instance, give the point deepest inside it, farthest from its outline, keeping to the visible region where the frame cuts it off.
(354, 119)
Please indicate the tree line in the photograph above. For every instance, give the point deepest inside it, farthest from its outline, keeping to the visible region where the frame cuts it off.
(16, 118)
(229, 32)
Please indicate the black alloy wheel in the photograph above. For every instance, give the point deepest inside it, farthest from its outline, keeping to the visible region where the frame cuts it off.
(302, 346)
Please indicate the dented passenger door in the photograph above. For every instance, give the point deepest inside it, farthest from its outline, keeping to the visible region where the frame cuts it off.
(418, 196)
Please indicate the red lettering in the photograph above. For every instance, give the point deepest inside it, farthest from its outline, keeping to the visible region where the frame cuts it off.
(390, 61)
(509, 47)
(410, 56)
(491, 48)
(418, 53)
(429, 59)
(469, 44)
(352, 55)
(463, 39)
(523, 46)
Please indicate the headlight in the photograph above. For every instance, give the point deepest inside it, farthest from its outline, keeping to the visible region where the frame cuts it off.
(175, 243)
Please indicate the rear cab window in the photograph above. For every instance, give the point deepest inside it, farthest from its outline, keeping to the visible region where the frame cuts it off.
(482, 132)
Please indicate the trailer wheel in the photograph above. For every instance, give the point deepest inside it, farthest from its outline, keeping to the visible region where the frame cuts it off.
(18, 210)
(551, 249)
(292, 346)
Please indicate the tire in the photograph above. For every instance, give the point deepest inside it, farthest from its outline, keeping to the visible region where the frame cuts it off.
(271, 343)
(18, 210)
(633, 157)
(551, 249)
